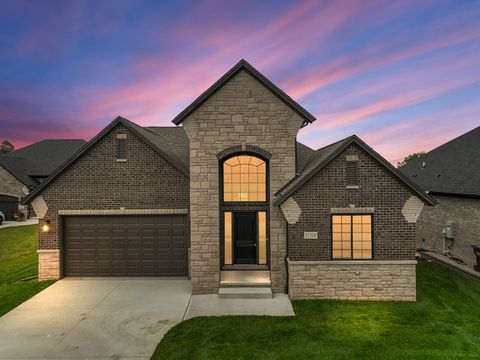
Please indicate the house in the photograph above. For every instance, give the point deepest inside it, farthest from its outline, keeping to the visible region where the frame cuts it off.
(24, 169)
(451, 175)
(230, 194)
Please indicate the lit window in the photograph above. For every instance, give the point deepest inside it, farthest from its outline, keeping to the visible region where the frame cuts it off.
(352, 236)
(228, 238)
(262, 238)
(244, 179)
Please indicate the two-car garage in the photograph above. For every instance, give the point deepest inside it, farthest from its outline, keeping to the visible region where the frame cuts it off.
(125, 245)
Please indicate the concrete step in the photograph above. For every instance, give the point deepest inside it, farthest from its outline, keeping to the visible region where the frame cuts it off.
(245, 292)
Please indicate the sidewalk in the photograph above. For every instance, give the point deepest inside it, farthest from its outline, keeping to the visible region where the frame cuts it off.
(7, 224)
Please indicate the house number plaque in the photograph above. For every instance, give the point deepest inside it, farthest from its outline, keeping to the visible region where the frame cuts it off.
(310, 235)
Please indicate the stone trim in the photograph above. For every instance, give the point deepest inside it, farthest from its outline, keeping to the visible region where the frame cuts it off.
(125, 212)
(355, 262)
(291, 210)
(40, 206)
(353, 210)
(352, 158)
(48, 251)
(412, 209)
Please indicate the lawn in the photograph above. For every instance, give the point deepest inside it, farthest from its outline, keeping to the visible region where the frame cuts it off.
(443, 324)
(18, 266)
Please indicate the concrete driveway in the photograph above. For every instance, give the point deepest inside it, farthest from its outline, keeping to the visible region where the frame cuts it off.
(94, 318)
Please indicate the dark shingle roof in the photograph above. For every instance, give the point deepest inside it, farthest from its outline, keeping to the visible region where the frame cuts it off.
(39, 160)
(452, 168)
(325, 155)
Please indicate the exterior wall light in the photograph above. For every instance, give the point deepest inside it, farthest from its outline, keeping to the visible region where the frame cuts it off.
(46, 226)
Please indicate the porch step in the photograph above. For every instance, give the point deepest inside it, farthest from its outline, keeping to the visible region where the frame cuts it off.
(245, 292)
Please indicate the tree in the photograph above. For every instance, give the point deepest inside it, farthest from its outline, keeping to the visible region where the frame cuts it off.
(410, 158)
(6, 147)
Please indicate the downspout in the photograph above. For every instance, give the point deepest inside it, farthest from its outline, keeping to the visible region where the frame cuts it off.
(286, 260)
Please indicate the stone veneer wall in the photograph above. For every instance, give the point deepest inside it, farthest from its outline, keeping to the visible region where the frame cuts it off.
(353, 280)
(9, 184)
(48, 264)
(464, 212)
(96, 181)
(243, 112)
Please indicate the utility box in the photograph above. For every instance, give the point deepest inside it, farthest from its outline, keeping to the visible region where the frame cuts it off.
(449, 230)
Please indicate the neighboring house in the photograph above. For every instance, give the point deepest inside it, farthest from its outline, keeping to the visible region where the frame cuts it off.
(24, 169)
(451, 174)
(230, 192)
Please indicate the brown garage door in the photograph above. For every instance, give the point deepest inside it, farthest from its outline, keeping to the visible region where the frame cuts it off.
(125, 245)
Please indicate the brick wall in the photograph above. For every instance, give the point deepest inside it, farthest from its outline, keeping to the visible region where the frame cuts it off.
(243, 112)
(353, 280)
(393, 236)
(96, 181)
(464, 212)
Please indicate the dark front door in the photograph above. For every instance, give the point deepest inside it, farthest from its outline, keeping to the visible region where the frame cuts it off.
(245, 237)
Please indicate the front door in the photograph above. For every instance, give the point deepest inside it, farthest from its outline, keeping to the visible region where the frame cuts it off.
(245, 237)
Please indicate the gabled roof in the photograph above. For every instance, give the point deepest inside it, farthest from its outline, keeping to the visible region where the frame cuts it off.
(243, 65)
(325, 155)
(452, 168)
(148, 136)
(38, 160)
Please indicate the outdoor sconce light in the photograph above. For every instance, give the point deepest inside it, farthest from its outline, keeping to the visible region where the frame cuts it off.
(46, 226)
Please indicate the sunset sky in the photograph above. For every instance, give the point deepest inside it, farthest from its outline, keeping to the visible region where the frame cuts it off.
(403, 75)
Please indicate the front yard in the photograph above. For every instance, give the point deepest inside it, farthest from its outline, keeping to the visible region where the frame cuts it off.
(443, 324)
(18, 266)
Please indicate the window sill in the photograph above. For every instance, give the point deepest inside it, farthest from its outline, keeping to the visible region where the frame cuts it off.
(121, 160)
(352, 187)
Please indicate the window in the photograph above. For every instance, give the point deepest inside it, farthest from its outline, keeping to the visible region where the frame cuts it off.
(244, 179)
(228, 238)
(121, 149)
(352, 236)
(351, 173)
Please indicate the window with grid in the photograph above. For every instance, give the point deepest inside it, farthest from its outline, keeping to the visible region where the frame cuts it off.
(244, 179)
(352, 237)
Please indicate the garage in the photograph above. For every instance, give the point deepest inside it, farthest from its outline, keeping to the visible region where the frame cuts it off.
(125, 245)
(8, 205)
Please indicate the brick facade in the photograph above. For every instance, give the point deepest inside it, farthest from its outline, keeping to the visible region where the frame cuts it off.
(465, 214)
(353, 280)
(96, 181)
(393, 236)
(378, 193)
(242, 113)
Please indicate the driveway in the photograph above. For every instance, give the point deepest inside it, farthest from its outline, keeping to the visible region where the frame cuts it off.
(94, 318)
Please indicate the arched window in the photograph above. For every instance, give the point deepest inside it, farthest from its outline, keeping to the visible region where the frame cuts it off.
(244, 179)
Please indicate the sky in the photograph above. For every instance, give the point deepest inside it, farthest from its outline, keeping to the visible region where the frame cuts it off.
(402, 75)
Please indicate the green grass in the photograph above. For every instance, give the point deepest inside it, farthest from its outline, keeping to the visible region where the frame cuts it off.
(18, 261)
(443, 324)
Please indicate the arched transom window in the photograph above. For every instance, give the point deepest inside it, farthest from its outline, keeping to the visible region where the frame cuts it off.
(244, 179)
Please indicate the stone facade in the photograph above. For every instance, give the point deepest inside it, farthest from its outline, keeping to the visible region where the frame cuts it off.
(96, 181)
(353, 280)
(465, 214)
(48, 264)
(10, 185)
(379, 193)
(241, 113)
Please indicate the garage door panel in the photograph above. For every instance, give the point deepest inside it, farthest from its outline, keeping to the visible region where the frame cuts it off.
(125, 245)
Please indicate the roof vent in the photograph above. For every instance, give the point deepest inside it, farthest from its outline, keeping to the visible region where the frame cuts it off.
(414, 175)
(437, 175)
